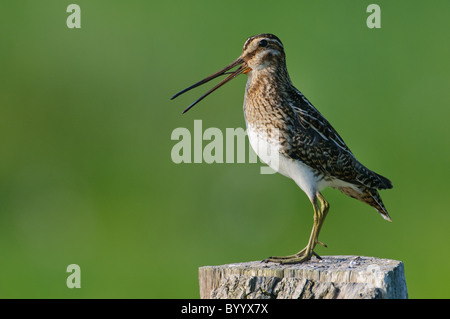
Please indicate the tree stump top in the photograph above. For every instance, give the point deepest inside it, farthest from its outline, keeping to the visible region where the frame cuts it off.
(331, 277)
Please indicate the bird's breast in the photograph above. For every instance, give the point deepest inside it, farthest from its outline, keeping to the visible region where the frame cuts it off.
(267, 147)
(270, 151)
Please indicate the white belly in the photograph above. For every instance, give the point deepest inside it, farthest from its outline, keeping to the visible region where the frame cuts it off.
(268, 151)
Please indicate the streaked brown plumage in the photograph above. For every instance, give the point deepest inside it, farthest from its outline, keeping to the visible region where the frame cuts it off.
(291, 136)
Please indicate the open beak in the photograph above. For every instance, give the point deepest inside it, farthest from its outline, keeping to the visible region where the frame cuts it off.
(242, 69)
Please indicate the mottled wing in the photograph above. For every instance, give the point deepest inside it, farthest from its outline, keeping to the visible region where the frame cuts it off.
(317, 144)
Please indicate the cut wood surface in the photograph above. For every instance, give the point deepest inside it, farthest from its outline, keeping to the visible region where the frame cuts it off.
(337, 277)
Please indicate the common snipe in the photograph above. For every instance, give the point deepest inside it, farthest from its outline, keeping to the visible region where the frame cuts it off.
(291, 136)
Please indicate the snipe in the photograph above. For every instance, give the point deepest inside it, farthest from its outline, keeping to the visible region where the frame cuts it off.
(291, 136)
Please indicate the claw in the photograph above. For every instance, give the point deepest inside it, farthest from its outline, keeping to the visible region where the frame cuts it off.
(319, 242)
(317, 256)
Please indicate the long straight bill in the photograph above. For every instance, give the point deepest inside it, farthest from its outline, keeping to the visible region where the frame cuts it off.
(213, 76)
(228, 78)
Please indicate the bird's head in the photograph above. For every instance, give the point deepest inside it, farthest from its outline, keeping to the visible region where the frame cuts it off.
(263, 51)
(260, 52)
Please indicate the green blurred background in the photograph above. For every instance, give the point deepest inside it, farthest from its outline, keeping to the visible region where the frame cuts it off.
(86, 175)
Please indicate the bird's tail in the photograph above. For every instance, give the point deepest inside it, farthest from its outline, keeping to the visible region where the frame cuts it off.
(371, 179)
(385, 183)
(369, 196)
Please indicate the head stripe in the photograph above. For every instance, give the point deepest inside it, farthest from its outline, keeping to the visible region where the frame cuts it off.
(268, 36)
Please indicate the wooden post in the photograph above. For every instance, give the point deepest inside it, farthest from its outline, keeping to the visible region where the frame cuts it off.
(333, 277)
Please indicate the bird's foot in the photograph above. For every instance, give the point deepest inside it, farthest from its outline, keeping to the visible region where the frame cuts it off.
(300, 257)
(303, 255)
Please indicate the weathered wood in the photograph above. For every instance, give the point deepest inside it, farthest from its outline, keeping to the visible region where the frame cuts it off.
(341, 277)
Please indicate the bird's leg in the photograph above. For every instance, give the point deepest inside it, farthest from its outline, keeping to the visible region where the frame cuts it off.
(306, 253)
(325, 207)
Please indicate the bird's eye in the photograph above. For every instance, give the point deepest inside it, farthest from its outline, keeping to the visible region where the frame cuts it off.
(263, 43)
